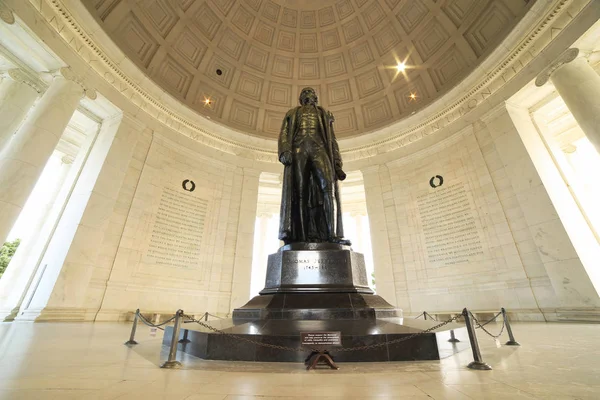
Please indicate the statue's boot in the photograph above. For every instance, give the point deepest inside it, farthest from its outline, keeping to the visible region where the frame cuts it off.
(339, 240)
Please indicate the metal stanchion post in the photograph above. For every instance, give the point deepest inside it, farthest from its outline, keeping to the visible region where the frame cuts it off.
(172, 362)
(425, 315)
(511, 338)
(185, 337)
(453, 338)
(131, 340)
(206, 316)
(477, 362)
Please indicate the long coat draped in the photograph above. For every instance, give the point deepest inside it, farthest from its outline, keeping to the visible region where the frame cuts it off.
(288, 231)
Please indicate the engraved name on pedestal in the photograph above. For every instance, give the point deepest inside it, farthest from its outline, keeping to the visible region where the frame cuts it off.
(449, 226)
(306, 267)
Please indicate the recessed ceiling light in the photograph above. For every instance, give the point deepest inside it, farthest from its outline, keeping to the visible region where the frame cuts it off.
(207, 101)
(219, 72)
(401, 67)
(413, 96)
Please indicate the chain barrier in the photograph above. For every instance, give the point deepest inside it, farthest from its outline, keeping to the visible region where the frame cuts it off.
(493, 319)
(238, 337)
(304, 349)
(482, 326)
(159, 326)
(471, 322)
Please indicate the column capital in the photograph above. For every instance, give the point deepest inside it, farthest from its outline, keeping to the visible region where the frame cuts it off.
(66, 159)
(19, 75)
(6, 15)
(370, 169)
(68, 74)
(566, 57)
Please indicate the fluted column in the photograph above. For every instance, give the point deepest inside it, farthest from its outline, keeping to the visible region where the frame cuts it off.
(579, 86)
(25, 155)
(18, 92)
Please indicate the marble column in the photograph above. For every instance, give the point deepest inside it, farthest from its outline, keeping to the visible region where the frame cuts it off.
(375, 193)
(20, 272)
(18, 92)
(360, 238)
(23, 158)
(242, 266)
(259, 260)
(579, 86)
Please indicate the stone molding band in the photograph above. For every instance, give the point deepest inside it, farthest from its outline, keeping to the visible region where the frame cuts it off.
(524, 50)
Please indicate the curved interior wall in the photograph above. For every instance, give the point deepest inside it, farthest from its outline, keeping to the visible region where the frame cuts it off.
(518, 254)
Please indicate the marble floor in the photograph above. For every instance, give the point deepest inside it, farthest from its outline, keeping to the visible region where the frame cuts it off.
(89, 361)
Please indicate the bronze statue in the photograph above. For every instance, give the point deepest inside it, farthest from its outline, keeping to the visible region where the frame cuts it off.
(310, 201)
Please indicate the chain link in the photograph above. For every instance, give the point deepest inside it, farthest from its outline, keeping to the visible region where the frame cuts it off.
(493, 319)
(148, 323)
(425, 314)
(483, 326)
(238, 337)
(402, 339)
(304, 349)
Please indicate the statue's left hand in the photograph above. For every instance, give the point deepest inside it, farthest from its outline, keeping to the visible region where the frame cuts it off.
(341, 175)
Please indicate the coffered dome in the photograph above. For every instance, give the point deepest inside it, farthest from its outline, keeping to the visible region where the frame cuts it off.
(243, 62)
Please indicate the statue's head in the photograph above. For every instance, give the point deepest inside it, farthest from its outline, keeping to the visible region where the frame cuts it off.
(308, 96)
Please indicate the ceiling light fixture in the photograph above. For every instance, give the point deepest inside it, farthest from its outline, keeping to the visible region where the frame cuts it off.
(413, 96)
(401, 67)
(207, 101)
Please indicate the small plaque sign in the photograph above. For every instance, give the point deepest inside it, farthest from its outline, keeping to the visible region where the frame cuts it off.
(321, 338)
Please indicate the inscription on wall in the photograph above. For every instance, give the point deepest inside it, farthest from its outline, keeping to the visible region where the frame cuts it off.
(451, 234)
(177, 231)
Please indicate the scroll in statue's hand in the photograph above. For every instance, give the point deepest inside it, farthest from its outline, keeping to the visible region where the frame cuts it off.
(286, 158)
(341, 175)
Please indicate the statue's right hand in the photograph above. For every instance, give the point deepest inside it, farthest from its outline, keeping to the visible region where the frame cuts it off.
(286, 158)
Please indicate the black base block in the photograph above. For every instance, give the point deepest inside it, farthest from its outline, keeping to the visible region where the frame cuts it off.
(209, 345)
(316, 306)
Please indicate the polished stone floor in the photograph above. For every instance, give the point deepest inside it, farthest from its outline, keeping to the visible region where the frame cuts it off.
(89, 361)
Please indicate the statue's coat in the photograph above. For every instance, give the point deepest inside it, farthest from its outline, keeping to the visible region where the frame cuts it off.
(287, 228)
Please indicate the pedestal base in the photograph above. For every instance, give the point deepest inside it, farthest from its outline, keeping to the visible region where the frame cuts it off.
(316, 306)
(209, 345)
(318, 287)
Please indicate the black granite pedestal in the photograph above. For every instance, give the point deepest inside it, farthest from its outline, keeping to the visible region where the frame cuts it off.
(214, 346)
(317, 287)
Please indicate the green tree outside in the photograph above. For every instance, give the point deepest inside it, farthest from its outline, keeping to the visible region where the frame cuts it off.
(7, 252)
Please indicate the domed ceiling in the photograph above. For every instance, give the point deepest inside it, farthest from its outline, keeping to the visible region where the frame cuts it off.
(243, 62)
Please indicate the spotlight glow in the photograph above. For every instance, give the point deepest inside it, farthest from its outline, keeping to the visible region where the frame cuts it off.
(413, 96)
(401, 67)
(207, 102)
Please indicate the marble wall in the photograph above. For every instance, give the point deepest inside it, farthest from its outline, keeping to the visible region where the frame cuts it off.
(150, 224)
(181, 248)
(488, 237)
(502, 242)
